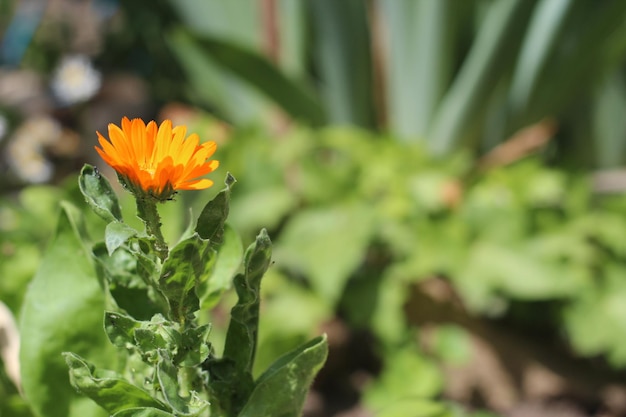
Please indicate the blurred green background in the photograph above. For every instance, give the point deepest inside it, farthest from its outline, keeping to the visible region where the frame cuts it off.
(442, 180)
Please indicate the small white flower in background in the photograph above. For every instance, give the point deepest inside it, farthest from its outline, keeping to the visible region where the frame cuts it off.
(25, 151)
(75, 80)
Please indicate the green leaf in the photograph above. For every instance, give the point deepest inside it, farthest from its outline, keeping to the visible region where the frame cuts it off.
(490, 58)
(212, 86)
(171, 382)
(99, 194)
(229, 256)
(156, 334)
(292, 28)
(62, 311)
(167, 376)
(342, 52)
(327, 245)
(255, 69)
(188, 264)
(143, 412)
(213, 216)
(419, 60)
(231, 376)
(406, 374)
(608, 120)
(210, 83)
(542, 36)
(282, 389)
(241, 338)
(116, 234)
(131, 275)
(149, 341)
(108, 390)
(194, 347)
(120, 328)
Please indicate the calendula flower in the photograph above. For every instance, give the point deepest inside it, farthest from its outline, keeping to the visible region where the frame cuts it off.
(156, 161)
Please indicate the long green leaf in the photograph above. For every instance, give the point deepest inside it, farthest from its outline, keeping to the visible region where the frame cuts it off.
(290, 375)
(459, 115)
(211, 86)
(544, 30)
(256, 71)
(341, 47)
(292, 37)
(229, 255)
(241, 338)
(599, 35)
(237, 20)
(418, 61)
(62, 311)
(609, 123)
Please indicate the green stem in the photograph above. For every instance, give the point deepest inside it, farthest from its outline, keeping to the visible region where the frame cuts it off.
(147, 211)
(187, 376)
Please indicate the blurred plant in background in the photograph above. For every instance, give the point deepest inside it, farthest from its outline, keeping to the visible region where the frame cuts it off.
(450, 235)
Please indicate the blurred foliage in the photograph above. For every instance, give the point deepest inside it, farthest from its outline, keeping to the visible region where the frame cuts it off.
(359, 219)
(447, 73)
(369, 217)
(362, 214)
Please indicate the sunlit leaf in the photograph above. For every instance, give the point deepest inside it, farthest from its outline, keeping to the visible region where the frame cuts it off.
(188, 263)
(211, 221)
(99, 194)
(62, 312)
(111, 392)
(291, 375)
(229, 256)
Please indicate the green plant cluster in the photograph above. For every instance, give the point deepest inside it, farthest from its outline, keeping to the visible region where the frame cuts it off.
(361, 220)
(358, 221)
(161, 358)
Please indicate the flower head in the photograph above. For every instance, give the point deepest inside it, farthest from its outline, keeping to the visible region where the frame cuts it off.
(156, 161)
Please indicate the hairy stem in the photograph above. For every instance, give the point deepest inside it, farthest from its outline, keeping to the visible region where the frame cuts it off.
(148, 213)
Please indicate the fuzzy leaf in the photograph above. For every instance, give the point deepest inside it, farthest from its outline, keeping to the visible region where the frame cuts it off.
(108, 390)
(229, 256)
(62, 311)
(241, 338)
(156, 334)
(213, 216)
(193, 348)
(131, 276)
(120, 328)
(291, 376)
(188, 264)
(168, 380)
(99, 194)
(231, 376)
(116, 234)
(167, 375)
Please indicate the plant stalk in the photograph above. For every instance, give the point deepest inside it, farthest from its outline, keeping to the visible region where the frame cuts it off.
(148, 213)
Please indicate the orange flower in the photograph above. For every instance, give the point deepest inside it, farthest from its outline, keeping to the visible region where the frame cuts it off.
(157, 161)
